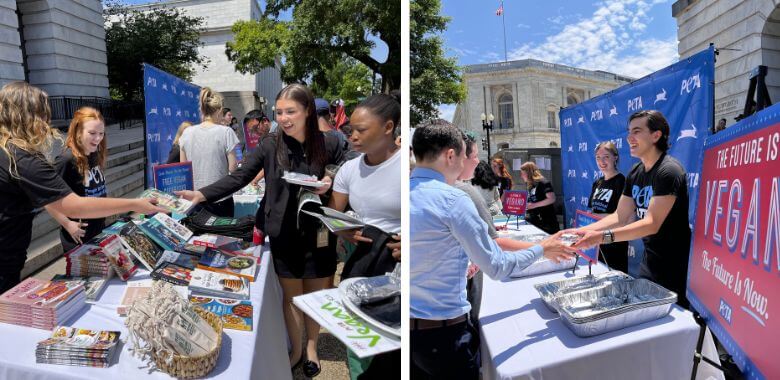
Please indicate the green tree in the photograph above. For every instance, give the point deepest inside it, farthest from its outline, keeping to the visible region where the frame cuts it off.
(162, 37)
(318, 37)
(346, 79)
(434, 78)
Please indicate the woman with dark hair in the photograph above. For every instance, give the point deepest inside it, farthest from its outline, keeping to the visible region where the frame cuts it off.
(486, 183)
(81, 165)
(303, 262)
(540, 208)
(504, 178)
(371, 185)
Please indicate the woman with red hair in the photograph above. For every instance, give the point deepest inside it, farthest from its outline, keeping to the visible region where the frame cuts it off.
(81, 165)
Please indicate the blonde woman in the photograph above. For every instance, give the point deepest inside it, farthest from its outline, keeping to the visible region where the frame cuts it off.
(174, 155)
(28, 181)
(209, 145)
(540, 209)
(82, 164)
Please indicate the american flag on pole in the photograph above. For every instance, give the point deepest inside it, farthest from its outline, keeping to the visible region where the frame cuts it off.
(500, 9)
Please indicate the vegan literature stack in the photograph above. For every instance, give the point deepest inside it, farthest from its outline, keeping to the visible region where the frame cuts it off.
(87, 260)
(42, 304)
(118, 256)
(217, 260)
(219, 284)
(235, 314)
(173, 273)
(78, 347)
(93, 286)
(141, 246)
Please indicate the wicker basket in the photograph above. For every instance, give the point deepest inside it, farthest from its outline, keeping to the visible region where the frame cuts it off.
(190, 367)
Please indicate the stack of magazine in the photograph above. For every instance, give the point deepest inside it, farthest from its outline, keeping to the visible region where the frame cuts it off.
(93, 286)
(42, 304)
(79, 347)
(87, 260)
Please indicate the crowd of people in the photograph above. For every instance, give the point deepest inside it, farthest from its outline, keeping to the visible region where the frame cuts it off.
(72, 188)
(453, 239)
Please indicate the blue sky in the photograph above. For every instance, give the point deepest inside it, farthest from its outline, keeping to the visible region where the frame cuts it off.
(629, 37)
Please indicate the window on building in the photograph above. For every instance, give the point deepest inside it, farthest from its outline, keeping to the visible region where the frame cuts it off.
(506, 114)
(553, 144)
(574, 96)
(552, 118)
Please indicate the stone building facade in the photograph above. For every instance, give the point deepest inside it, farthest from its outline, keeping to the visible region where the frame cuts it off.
(525, 96)
(243, 92)
(58, 46)
(747, 34)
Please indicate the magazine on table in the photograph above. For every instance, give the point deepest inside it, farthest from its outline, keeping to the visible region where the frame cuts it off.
(141, 246)
(168, 201)
(238, 264)
(118, 257)
(173, 273)
(179, 258)
(221, 285)
(93, 285)
(235, 314)
(80, 347)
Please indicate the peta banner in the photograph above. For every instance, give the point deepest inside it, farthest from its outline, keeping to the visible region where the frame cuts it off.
(514, 202)
(168, 101)
(683, 92)
(734, 269)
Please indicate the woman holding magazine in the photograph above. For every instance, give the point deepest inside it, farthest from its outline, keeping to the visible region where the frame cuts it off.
(29, 181)
(303, 259)
(371, 185)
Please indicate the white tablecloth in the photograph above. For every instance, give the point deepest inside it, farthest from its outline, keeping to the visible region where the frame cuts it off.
(257, 354)
(522, 339)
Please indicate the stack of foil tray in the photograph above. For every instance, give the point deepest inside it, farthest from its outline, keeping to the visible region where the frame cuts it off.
(543, 265)
(620, 304)
(552, 290)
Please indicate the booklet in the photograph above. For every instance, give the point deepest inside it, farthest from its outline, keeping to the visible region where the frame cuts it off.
(175, 274)
(235, 314)
(335, 220)
(140, 246)
(179, 258)
(168, 201)
(219, 284)
(241, 265)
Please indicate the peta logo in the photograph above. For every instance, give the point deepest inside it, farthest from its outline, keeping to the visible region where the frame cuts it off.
(603, 195)
(596, 174)
(641, 199)
(571, 148)
(635, 104)
(151, 82)
(613, 111)
(572, 173)
(153, 111)
(690, 84)
(596, 115)
(583, 147)
(567, 122)
(661, 96)
(166, 111)
(584, 201)
(687, 133)
(153, 137)
(581, 119)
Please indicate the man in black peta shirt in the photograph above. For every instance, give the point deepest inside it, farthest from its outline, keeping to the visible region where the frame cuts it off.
(656, 192)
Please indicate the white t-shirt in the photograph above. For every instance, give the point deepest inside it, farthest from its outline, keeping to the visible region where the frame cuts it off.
(374, 191)
(208, 147)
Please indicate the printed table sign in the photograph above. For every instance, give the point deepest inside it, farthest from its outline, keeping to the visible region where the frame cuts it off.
(514, 202)
(173, 177)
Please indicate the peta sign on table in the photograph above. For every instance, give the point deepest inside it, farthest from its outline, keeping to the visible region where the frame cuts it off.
(514, 202)
(734, 268)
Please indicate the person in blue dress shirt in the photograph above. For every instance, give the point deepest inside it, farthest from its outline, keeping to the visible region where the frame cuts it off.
(445, 233)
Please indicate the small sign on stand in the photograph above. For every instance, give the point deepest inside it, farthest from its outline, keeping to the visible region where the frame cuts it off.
(514, 203)
(173, 177)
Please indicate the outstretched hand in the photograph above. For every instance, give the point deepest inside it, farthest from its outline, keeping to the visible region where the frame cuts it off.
(556, 250)
(193, 196)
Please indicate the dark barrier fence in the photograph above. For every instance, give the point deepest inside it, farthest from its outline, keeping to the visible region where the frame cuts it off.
(114, 111)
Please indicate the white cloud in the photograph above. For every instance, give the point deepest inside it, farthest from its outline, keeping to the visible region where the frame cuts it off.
(523, 26)
(612, 39)
(447, 111)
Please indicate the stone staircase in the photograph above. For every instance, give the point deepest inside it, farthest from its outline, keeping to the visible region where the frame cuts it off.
(124, 179)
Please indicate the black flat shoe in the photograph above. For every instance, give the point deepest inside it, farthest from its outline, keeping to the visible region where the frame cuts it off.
(310, 368)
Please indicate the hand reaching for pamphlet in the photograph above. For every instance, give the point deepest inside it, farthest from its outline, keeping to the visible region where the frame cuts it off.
(587, 239)
(324, 188)
(193, 196)
(148, 206)
(76, 230)
(353, 236)
(555, 249)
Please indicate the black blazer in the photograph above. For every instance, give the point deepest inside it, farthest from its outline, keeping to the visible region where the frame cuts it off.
(277, 190)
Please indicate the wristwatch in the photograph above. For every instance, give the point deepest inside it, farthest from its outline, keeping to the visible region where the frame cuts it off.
(607, 237)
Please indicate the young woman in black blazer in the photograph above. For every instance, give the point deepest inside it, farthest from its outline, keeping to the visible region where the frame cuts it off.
(302, 263)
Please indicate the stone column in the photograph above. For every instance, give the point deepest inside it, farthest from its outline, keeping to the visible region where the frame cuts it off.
(11, 66)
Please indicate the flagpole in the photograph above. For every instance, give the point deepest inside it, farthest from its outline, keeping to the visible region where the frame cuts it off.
(503, 22)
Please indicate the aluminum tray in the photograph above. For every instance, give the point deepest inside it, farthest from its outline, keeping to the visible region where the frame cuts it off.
(551, 290)
(543, 265)
(618, 305)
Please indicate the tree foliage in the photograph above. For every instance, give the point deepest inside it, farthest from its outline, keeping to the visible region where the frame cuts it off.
(163, 37)
(319, 36)
(434, 78)
(348, 80)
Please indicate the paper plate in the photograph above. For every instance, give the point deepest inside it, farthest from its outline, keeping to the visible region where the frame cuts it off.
(304, 183)
(354, 309)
